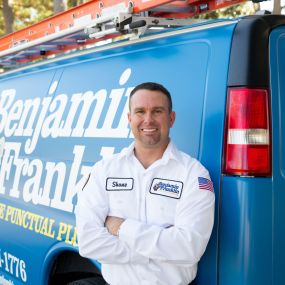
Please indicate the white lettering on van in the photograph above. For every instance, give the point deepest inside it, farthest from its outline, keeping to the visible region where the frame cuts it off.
(11, 150)
(87, 114)
(32, 142)
(32, 173)
(6, 100)
(35, 118)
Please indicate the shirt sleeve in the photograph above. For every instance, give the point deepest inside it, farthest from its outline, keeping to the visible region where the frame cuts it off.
(94, 240)
(185, 241)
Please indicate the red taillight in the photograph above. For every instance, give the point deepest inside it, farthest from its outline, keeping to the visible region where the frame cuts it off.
(247, 149)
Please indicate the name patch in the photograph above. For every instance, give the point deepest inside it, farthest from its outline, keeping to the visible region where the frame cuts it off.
(168, 188)
(119, 184)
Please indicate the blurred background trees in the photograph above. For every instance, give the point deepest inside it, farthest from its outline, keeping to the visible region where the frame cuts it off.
(16, 14)
(278, 7)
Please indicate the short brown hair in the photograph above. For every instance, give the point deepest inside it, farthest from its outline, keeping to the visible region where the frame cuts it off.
(152, 86)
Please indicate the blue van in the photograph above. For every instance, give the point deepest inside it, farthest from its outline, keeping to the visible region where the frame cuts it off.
(58, 117)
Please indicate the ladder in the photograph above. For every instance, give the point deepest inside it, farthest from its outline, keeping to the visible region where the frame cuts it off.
(94, 22)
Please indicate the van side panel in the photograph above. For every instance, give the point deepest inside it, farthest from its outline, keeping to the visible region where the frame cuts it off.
(245, 231)
(277, 75)
(86, 118)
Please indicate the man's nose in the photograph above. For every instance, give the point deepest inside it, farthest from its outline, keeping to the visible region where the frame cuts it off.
(148, 117)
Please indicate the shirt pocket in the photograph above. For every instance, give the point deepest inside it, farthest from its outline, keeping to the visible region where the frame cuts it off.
(122, 204)
(161, 210)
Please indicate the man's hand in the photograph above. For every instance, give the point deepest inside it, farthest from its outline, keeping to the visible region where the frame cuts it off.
(113, 224)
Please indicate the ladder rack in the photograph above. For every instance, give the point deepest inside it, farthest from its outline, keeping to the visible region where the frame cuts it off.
(98, 20)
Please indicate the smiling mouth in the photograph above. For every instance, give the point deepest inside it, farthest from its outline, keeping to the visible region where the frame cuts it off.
(151, 130)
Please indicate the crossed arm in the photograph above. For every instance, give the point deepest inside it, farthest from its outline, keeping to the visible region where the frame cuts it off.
(138, 242)
(113, 225)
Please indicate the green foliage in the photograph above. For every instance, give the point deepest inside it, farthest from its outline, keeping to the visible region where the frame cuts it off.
(2, 28)
(247, 8)
(73, 3)
(28, 12)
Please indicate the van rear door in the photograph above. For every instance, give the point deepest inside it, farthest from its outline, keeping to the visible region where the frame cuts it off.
(277, 76)
(251, 229)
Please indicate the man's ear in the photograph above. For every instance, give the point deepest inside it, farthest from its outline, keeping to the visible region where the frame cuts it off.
(172, 118)
(129, 117)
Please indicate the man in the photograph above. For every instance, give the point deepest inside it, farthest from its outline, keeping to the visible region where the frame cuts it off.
(147, 213)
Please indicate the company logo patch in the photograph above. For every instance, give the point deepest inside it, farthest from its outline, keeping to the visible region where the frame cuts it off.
(168, 188)
(119, 184)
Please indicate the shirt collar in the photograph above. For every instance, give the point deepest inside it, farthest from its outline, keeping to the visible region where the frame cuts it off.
(171, 152)
(128, 151)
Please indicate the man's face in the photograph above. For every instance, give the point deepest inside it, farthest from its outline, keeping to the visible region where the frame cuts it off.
(150, 119)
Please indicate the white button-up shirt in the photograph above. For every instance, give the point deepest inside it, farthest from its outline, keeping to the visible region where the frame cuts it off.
(168, 210)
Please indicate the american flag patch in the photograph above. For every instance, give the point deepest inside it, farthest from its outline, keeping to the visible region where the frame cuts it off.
(205, 184)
